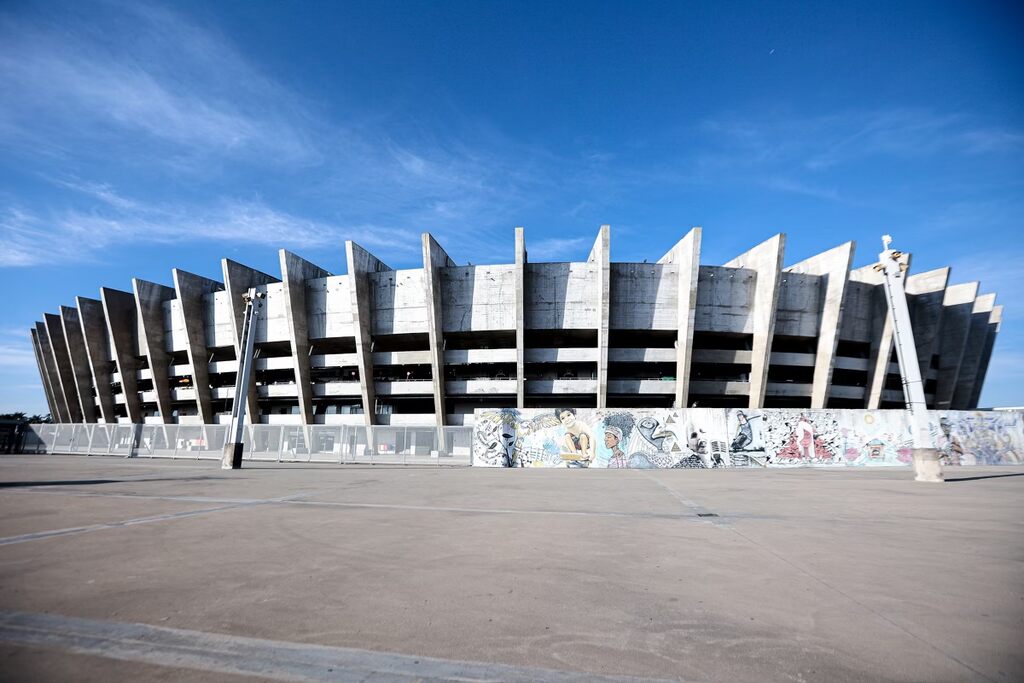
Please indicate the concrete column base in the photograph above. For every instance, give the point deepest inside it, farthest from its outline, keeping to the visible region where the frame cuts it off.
(927, 466)
(232, 459)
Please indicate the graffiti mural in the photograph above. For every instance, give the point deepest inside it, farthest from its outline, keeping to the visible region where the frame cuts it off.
(616, 439)
(980, 437)
(709, 438)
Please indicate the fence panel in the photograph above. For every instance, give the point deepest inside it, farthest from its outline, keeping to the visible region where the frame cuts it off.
(99, 440)
(383, 444)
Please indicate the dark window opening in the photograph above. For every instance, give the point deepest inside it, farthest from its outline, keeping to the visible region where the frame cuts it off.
(559, 339)
(717, 340)
(387, 343)
(642, 339)
(321, 347)
(492, 339)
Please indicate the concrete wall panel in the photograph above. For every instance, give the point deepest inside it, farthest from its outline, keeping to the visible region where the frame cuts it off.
(644, 296)
(479, 298)
(725, 298)
(561, 296)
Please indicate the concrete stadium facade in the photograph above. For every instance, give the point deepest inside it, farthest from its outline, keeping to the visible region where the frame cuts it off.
(430, 345)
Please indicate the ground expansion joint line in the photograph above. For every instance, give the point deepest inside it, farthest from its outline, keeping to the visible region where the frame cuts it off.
(268, 659)
(860, 604)
(698, 509)
(74, 531)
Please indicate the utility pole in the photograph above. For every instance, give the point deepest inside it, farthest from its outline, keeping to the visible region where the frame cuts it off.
(232, 459)
(926, 458)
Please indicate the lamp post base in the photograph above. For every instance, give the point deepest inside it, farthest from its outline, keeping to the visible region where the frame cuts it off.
(232, 459)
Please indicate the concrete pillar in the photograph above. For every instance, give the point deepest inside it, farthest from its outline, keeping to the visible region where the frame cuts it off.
(62, 414)
(957, 310)
(994, 322)
(766, 260)
(294, 273)
(833, 266)
(44, 376)
(927, 290)
(434, 259)
(360, 264)
(881, 332)
(190, 290)
(95, 338)
(122, 318)
(600, 255)
(686, 256)
(72, 328)
(62, 363)
(149, 304)
(520, 280)
(238, 280)
(974, 348)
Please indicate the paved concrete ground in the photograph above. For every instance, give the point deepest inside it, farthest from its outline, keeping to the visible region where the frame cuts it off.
(158, 570)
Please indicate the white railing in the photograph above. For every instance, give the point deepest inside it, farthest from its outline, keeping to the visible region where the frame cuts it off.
(279, 443)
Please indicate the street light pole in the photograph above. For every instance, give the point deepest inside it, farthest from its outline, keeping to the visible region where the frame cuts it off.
(232, 459)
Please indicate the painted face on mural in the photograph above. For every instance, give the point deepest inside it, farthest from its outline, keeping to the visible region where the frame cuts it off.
(567, 418)
(611, 440)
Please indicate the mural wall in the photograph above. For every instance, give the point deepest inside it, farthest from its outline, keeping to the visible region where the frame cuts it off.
(707, 438)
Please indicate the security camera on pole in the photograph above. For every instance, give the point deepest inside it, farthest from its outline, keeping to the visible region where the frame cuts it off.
(926, 458)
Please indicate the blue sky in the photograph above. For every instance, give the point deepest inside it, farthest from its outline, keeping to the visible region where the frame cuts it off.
(137, 137)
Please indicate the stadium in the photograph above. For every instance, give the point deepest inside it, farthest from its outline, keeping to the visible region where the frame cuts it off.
(429, 346)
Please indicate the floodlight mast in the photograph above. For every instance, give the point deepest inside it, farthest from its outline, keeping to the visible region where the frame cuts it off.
(232, 459)
(893, 268)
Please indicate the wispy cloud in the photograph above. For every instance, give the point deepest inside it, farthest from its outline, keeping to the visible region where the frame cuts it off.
(14, 355)
(560, 248)
(792, 154)
(180, 106)
(75, 236)
(176, 84)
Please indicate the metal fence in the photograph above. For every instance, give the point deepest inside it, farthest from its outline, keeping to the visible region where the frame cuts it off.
(277, 443)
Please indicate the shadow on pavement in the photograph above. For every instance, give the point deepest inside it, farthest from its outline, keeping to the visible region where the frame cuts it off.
(986, 476)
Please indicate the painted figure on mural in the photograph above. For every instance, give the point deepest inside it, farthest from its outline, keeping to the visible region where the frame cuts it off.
(951, 448)
(578, 443)
(612, 439)
(804, 433)
(744, 433)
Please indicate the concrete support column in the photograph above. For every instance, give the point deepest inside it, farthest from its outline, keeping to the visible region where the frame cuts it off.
(123, 326)
(434, 259)
(833, 266)
(766, 260)
(75, 343)
(686, 256)
(97, 348)
(149, 303)
(520, 281)
(44, 376)
(360, 264)
(957, 310)
(62, 363)
(994, 322)
(927, 291)
(238, 280)
(881, 332)
(600, 255)
(190, 290)
(294, 273)
(62, 414)
(974, 348)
